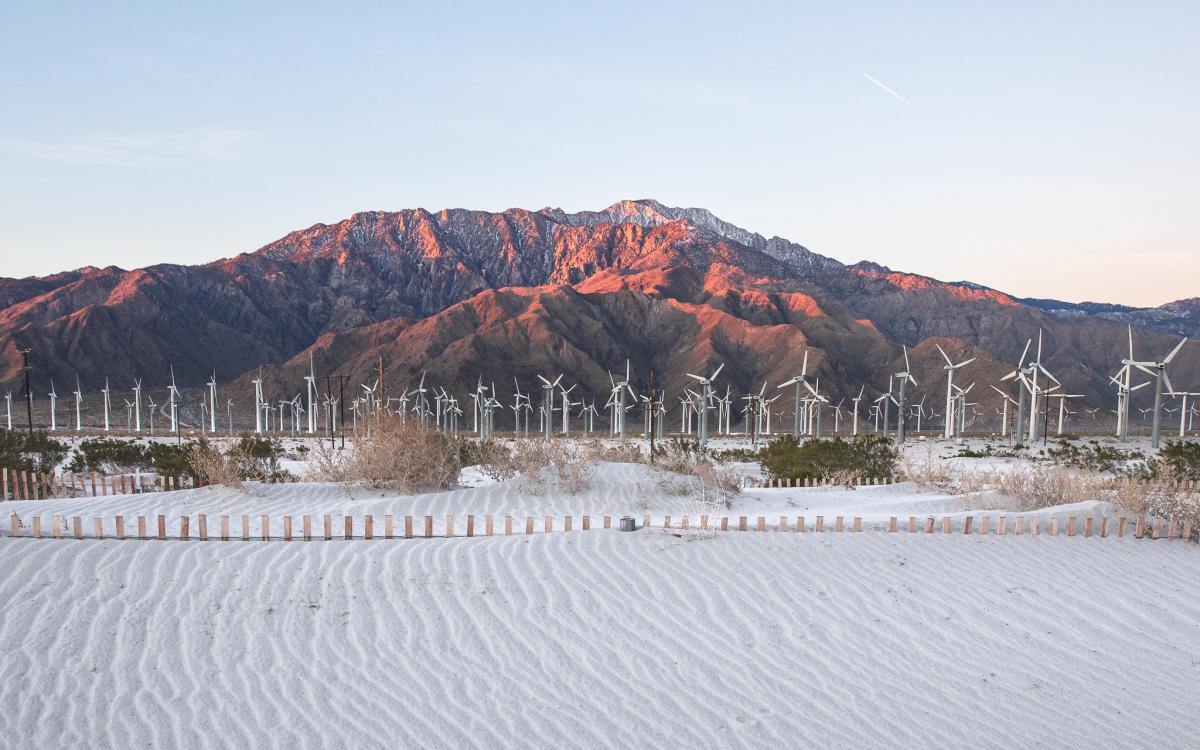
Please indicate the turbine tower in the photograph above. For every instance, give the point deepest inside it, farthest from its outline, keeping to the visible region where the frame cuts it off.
(1158, 370)
(107, 403)
(78, 402)
(950, 368)
(905, 378)
(212, 401)
(706, 395)
(310, 381)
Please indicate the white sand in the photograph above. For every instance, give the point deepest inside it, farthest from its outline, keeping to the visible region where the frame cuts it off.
(596, 639)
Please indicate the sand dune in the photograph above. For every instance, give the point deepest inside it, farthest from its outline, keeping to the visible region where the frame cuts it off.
(600, 639)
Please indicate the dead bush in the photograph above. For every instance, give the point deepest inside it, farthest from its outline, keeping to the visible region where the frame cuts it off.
(619, 453)
(212, 467)
(396, 455)
(560, 461)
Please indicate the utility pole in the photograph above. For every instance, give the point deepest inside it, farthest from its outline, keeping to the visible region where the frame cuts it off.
(28, 389)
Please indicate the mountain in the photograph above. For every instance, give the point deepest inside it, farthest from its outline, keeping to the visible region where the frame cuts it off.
(466, 294)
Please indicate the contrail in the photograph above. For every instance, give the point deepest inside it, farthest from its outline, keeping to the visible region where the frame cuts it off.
(893, 93)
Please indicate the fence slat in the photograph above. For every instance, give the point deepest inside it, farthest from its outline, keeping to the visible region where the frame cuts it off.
(120, 522)
(389, 526)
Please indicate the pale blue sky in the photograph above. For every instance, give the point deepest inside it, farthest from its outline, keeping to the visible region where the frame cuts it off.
(1050, 149)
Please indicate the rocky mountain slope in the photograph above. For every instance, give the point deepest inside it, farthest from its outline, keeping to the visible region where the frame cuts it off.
(469, 293)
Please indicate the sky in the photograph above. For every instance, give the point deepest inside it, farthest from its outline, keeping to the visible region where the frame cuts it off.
(1046, 149)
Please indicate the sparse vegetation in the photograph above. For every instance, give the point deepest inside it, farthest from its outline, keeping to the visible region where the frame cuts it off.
(37, 452)
(396, 455)
(867, 456)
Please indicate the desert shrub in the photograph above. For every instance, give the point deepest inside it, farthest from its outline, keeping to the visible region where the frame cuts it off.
(787, 458)
(1177, 460)
(538, 460)
(109, 456)
(1096, 457)
(678, 455)
(170, 459)
(736, 454)
(256, 458)
(691, 472)
(620, 453)
(395, 455)
(36, 452)
(211, 466)
(493, 458)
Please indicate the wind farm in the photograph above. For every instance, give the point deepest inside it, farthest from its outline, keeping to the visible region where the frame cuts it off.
(500, 376)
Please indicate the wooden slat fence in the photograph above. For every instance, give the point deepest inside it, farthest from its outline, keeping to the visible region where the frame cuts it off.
(260, 527)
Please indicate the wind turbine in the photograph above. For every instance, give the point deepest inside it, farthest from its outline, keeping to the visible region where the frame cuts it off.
(798, 381)
(706, 395)
(1022, 386)
(8, 409)
(53, 401)
(855, 401)
(174, 396)
(258, 402)
(566, 409)
(1035, 391)
(950, 368)
(212, 399)
(153, 407)
(310, 381)
(905, 378)
(107, 403)
(1006, 400)
(1184, 412)
(548, 404)
(78, 402)
(1159, 373)
(516, 407)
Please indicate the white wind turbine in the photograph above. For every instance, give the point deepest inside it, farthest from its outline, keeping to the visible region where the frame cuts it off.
(950, 368)
(1006, 400)
(258, 402)
(1184, 413)
(905, 378)
(153, 407)
(706, 396)
(1062, 407)
(566, 409)
(1157, 370)
(174, 396)
(8, 409)
(107, 403)
(53, 401)
(1022, 387)
(212, 401)
(798, 381)
(128, 416)
(1036, 392)
(548, 404)
(855, 401)
(78, 402)
(310, 381)
(516, 407)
